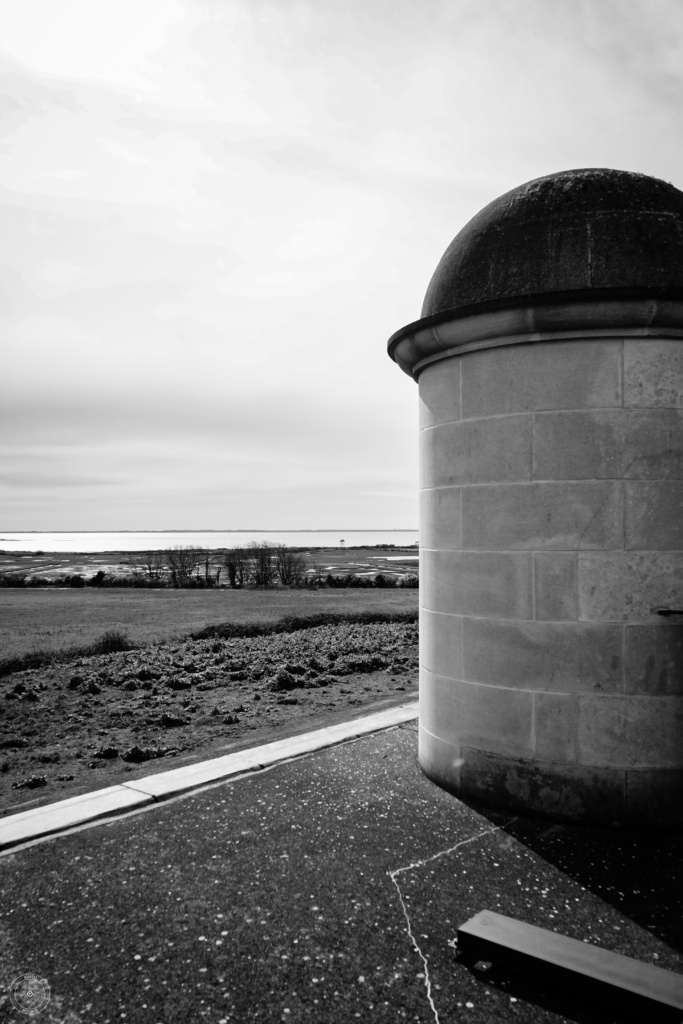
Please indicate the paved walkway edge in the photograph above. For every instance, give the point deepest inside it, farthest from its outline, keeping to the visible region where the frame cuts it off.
(51, 819)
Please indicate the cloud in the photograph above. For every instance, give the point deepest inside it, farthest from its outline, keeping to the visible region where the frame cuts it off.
(122, 152)
(111, 40)
(214, 215)
(63, 273)
(65, 174)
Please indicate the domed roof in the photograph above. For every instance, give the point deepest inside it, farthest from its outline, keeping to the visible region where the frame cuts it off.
(588, 230)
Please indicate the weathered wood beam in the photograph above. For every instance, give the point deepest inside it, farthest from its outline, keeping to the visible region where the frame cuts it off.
(589, 971)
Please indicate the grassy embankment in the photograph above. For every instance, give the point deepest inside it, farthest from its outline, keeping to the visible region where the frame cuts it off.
(56, 620)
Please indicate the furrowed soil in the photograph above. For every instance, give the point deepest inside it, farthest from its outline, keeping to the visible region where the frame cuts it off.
(91, 722)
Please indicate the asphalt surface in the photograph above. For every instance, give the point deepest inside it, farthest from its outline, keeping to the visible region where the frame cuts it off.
(329, 889)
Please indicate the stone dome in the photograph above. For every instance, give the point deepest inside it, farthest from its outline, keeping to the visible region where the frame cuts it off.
(576, 233)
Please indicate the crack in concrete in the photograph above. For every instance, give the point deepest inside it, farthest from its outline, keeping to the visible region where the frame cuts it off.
(420, 864)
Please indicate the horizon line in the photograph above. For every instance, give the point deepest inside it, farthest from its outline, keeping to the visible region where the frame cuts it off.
(320, 529)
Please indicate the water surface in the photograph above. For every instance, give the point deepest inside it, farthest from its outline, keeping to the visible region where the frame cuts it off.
(88, 542)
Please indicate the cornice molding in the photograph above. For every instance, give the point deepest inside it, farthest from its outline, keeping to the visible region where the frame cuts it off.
(459, 332)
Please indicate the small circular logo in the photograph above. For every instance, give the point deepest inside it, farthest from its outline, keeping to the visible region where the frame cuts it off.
(29, 994)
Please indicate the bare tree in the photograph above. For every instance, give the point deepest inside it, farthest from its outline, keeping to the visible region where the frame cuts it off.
(150, 564)
(262, 564)
(237, 563)
(290, 567)
(183, 563)
(315, 576)
(211, 565)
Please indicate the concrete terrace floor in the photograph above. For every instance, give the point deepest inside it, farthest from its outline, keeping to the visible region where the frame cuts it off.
(327, 888)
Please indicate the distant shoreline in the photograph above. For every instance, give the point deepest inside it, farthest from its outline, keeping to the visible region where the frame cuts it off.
(135, 551)
(91, 541)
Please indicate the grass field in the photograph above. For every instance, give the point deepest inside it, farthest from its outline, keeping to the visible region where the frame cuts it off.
(53, 619)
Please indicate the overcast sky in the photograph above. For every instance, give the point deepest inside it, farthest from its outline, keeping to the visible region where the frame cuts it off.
(215, 213)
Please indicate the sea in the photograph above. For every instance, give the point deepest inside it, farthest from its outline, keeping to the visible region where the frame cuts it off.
(125, 540)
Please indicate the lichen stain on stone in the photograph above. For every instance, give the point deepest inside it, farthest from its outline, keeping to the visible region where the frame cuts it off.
(563, 801)
(517, 785)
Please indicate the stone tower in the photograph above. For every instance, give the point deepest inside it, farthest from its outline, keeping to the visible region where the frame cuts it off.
(549, 358)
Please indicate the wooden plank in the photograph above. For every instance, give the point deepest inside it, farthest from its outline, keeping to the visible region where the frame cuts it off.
(588, 970)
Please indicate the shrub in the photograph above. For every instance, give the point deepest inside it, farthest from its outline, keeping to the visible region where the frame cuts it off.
(348, 581)
(358, 581)
(19, 663)
(384, 581)
(292, 623)
(110, 642)
(8, 580)
(409, 580)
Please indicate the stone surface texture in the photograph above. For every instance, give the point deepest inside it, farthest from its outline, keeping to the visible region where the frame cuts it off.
(552, 509)
(588, 229)
(551, 539)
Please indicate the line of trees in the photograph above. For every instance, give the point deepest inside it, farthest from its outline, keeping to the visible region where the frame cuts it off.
(256, 565)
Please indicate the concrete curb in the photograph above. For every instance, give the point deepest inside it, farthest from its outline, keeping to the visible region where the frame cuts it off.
(52, 819)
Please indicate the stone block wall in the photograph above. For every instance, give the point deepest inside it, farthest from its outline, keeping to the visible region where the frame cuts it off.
(551, 531)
